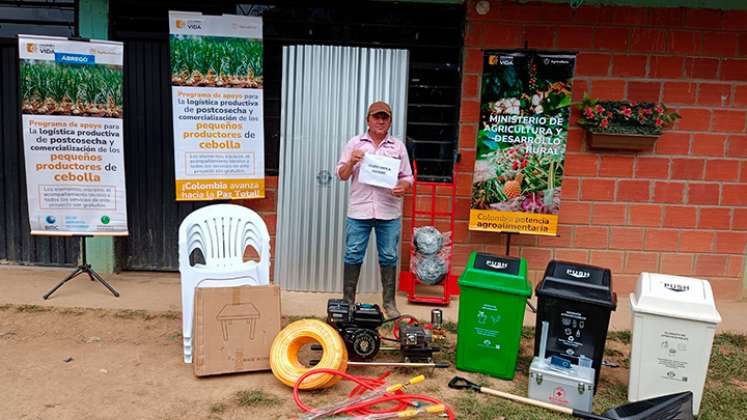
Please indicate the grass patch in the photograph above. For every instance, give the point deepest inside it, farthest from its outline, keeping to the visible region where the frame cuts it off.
(447, 351)
(527, 332)
(472, 406)
(71, 311)
(217, 408)
(723, 402)
(609, 395)
(33, 308)
(255, 398)
(129, 314)
(612, 352)
(386, 329)
(450, 326)
(171, 315)
(621, 336)
(728, 358)
(729, 338)
(175, 336)
(146, 315)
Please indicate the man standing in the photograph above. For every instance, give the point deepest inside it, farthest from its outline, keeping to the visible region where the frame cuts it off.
(374, 207)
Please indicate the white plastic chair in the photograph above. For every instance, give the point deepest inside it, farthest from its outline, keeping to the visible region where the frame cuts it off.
(221, 232)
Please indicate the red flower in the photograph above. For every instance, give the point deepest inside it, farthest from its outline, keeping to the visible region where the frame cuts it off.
(604, 123)
(659, 109)
(658, 122)
(648, 111)
(523, 164)
(515, 165)
(588, 113)
(598, 108)
(609, 114)
(627, 112)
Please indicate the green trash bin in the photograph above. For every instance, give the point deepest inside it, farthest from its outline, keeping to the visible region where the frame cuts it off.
(494, 291)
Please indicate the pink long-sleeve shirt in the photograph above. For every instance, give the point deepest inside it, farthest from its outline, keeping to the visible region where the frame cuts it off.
(366, 201)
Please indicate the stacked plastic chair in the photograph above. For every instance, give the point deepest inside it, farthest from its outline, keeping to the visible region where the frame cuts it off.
(222, 233)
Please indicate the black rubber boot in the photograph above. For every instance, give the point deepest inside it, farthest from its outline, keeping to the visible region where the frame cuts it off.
(389, 285)
(350, 282)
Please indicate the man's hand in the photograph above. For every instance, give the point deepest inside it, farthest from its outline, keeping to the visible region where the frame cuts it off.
(356, 156)
(347, 169)
(401, 188)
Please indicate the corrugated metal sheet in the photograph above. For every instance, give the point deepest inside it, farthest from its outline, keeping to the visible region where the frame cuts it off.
(325, 93)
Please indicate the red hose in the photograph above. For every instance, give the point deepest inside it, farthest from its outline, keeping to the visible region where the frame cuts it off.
(367, 383)
(410, 320)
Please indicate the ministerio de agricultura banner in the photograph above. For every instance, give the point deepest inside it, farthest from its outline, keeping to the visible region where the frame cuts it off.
(521, 142)
(216, 88)
(71, 112)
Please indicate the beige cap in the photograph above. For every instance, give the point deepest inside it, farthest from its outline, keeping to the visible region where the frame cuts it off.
(379, 107)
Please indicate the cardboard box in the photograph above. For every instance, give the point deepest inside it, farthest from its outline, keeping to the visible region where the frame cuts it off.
(234, 328)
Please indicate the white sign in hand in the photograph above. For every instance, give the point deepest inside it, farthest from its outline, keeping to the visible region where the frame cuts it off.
(379, 171)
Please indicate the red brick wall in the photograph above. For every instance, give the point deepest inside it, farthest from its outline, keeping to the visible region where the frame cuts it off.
(680, 208)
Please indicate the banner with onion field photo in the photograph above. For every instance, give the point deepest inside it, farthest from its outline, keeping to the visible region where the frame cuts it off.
(216, 88)
(71, 113)
(525, 105)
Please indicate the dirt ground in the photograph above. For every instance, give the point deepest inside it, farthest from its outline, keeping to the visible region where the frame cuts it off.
(69, 363)
(73, 363)
(108, 364)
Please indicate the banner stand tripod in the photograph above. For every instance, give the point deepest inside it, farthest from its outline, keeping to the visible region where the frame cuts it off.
(86, 268)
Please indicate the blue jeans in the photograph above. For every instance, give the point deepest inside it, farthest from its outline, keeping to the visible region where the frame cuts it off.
(358, 231)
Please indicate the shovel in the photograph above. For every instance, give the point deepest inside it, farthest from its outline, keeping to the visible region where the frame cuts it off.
(667, 407)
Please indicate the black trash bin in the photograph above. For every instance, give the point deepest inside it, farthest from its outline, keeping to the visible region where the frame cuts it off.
(576, 300)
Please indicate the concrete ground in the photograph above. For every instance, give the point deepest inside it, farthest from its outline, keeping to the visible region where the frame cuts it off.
(157, 291)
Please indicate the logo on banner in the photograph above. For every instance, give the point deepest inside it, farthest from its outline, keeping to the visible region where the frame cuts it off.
(190, 24)
(99, 51)
(50, 219)
(43, 49)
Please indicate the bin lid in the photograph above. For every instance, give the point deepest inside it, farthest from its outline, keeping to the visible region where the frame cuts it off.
(674, 296)
(578, 282)
(499, 273)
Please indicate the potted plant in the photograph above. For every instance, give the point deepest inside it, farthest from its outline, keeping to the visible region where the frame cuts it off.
(623, 124)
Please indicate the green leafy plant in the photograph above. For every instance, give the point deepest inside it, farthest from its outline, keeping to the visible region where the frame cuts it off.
(216, 61)
(625, 117)
(61, 89)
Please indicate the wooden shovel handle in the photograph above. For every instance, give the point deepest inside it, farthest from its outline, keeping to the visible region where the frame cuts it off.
(529, 401)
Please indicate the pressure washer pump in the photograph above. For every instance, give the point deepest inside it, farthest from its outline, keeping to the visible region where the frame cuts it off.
(415, 343)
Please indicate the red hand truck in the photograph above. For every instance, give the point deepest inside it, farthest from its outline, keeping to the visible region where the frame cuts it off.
(408, 281)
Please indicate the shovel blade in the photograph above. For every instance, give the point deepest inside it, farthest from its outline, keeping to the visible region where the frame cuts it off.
(666, 407)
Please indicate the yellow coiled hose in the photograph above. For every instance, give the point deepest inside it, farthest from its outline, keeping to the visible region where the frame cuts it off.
(284, 353)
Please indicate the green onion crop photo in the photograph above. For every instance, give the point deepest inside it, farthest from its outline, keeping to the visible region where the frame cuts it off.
(216, 61)
(49, 88)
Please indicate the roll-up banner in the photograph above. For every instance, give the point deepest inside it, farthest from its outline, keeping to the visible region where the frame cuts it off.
(521, 142)
(216, 87)
(71, 111)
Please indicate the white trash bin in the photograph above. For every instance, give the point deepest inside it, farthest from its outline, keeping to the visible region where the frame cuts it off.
(674, 320)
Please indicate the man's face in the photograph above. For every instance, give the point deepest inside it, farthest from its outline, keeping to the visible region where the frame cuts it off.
(379, 123)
